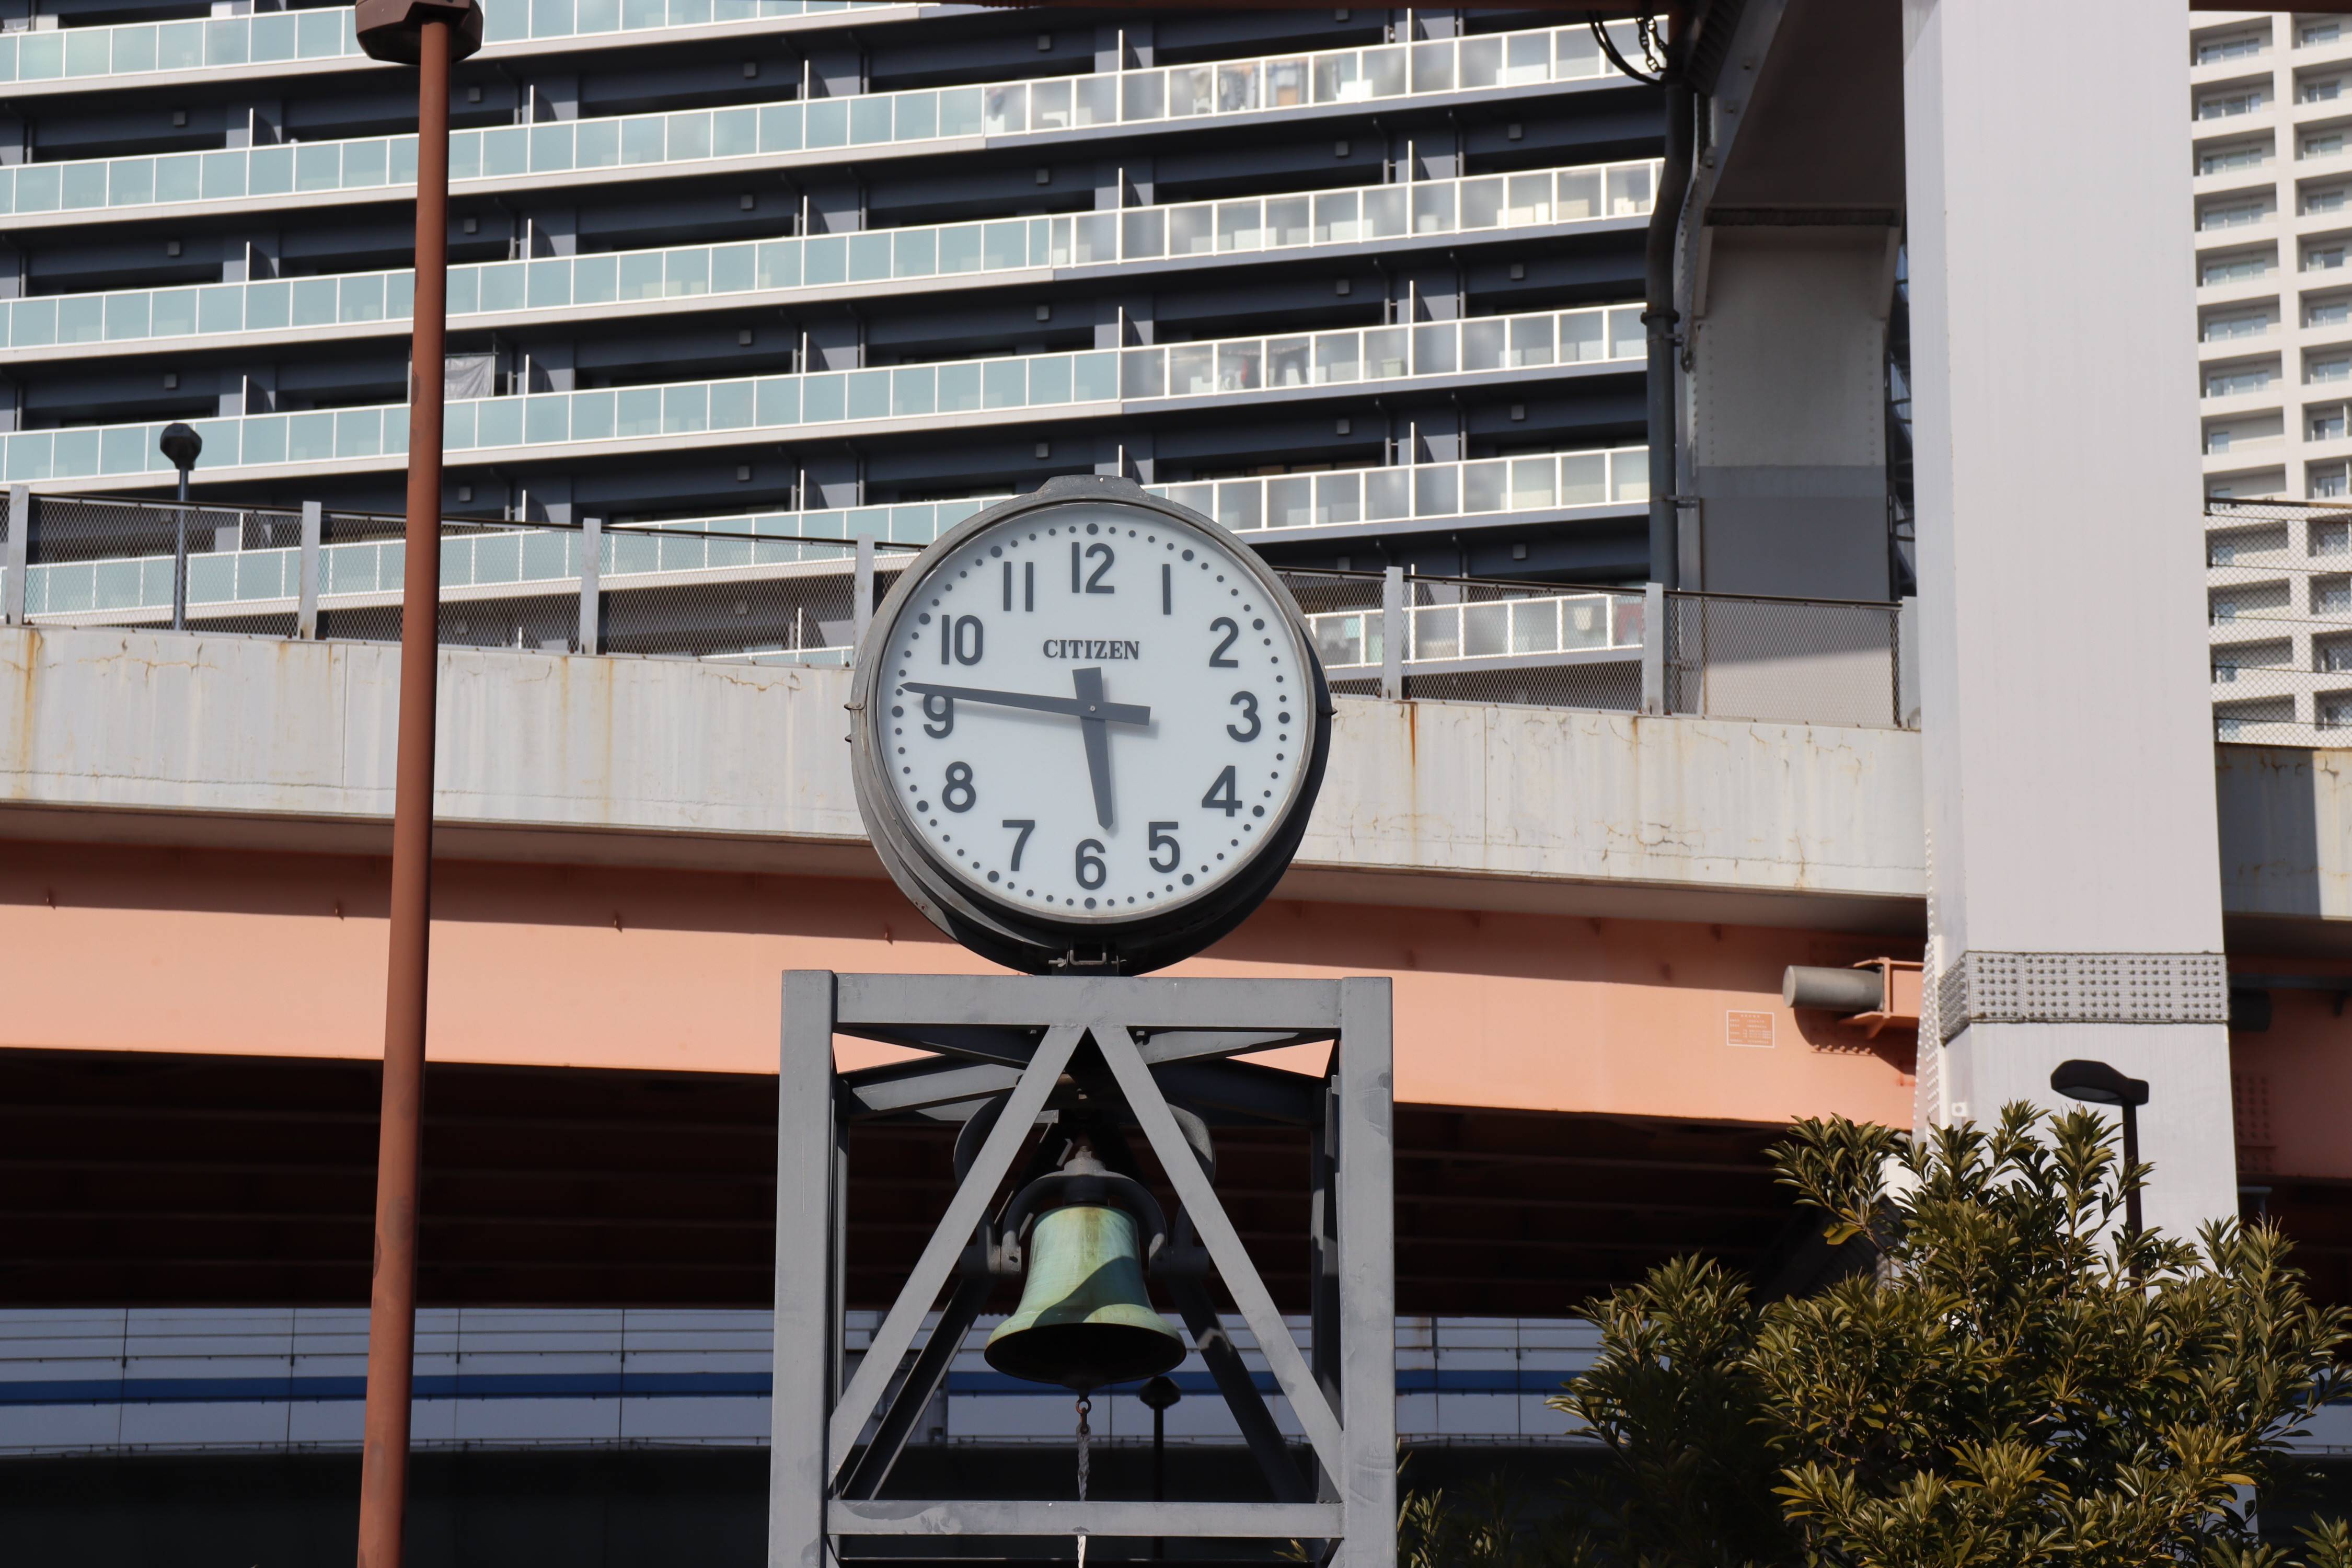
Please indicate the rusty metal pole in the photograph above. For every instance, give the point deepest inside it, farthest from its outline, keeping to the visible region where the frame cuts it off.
(428, 33)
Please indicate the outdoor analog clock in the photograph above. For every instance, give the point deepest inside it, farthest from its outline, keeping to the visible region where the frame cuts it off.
(1090, 729)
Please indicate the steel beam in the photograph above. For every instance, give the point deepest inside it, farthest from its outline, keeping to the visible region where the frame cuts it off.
(807, 1331)
(1243, 1520)
(907, 1001)
(1364, 1177)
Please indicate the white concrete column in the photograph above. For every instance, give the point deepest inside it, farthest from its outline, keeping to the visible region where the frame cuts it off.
(2076, 901)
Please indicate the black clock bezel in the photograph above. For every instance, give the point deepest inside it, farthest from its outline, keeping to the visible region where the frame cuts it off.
(1020, 938)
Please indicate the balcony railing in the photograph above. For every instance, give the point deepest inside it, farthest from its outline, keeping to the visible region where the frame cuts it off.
(1351, 641)
(721, 412)
(624, 278)
(642, 142)
(283, 37)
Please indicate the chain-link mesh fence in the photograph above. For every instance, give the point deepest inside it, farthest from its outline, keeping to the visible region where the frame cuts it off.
(2278, 612)
(98, 561)
(1523, 643)
(1821, 661)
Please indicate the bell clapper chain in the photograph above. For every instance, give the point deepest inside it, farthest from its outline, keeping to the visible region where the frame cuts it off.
(1085, 1461)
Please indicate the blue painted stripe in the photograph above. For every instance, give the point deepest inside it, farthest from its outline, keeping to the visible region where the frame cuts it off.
(632, 1385)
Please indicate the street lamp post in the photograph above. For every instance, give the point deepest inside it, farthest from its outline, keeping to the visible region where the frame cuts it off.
(1158, 1395)
(2100, 1084)
(181, 446)
(429, 35)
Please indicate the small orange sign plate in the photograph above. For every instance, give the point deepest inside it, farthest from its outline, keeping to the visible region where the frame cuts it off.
(1748, 1030)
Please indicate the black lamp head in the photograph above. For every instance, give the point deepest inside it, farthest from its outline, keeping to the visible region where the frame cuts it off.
(2098, 1083)
(181, 444)
(1159, 1392)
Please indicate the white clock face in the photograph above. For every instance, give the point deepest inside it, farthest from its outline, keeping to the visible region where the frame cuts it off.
(1091, 713)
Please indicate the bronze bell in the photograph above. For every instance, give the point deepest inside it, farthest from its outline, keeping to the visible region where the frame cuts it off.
(1085, 1318)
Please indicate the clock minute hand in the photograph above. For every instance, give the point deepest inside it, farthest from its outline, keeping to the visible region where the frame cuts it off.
(1089, 684)
(1070, 707)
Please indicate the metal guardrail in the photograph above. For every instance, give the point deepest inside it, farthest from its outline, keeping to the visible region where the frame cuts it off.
(770, 589)
(2278, 584)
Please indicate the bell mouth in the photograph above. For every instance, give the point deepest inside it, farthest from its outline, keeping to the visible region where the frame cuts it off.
(1082, 1357)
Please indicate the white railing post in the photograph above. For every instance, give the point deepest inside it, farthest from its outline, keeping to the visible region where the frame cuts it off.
(20, 555)
(592, 592)
(861, 593)
(1906, 664)
(306, 616)
(1654, 647)
(1395, 632)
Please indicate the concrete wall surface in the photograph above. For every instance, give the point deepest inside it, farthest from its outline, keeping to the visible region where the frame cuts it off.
(183, 737)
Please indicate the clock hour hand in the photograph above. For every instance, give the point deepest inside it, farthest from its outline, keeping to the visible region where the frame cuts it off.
(1109, 712)
(1090, 683)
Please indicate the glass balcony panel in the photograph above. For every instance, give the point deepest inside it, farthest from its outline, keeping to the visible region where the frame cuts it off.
(363, 299)
(1005, 382)
(915, 252)
(130, 182)
(780, 264)
(1192, 90)
(690, 12)
(365, 164)
(85, 183)
(638, 412)
(1337, 219)
(1004, 109)
(959, 112)
(552, 19)
(780, 128)
(1286, 84)
(1625, 612)
(918, 117)
(1288, 220)
(1143, 95)
(1386, 213)
(686, 410)
(1528, 200)
(359, 433)
(1241, 366)
(176, 315)
(77, 451)
(1432, 67)
(1241, 225)
(1535, 625)
(1094, 240)
(1628, 339)
(498, 422)
(1482, 62)
(1531, 342)
(821, 399)
(1629, 191)
(596, 146)
(177, 179)
(1584, 478)
(1580, 197)
(1340, 78)
(550, 149)
(1241, 504)
(1202, 499)
(641, 277)
(32, 324)
(505, 153)
(1237, 86)
(1526, 60)
(1485, 630)
(868, 394)
(1437, 490)
(1339, 356)
(1094, 377)
(688, 135)
(641, 141)
(1433, 209)
(399, 304)
(1433, 348)
(960, 250)
(870, 257)
(1143, 233)
(82, 318)
(826, 257)
(225, 41)
(596, 281)
(1049, 107)
(1482, 202)
(1006, 247)
(1096, 100)
(1191, 370)
(548, 284)
(731, 268)
(1385, 69)
(869, 121)
(502, 285)
(1388, 494)
(1534, 483)
(1579, 622)
(1579, 337)
(1575, 55)
(218, 309)
(1049, 380)
(1384, 352)
(1483, 486)
(1143, 373)
(126, 316)
(1290, 501)
(778, 401)
(1346, 641)
(913, 390)
(464, 156)
(1338, 498)
(1436, 631)
(134, 50)
(1289, 361)
(1629, 476)
(310, 437)
(1192, 230)
(224, 173)
(592, 416)
(959, 388)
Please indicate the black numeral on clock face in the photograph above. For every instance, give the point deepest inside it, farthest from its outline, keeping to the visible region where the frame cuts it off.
(1167, 589)
(1023, 827)
(1223, 796)
(1091, 871)
(957, 795)
(960, 635)
(1163, 841)
(1102, 556)
(938, 709)
(1217, 659)
(1028, 584)
(1247, 702)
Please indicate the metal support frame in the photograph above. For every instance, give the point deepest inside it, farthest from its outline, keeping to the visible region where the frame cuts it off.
(1161, 1047)
(1654, 647)
(20, 555)
(591, 590)
(1395, 632)
(862, 591)
(306, 614)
